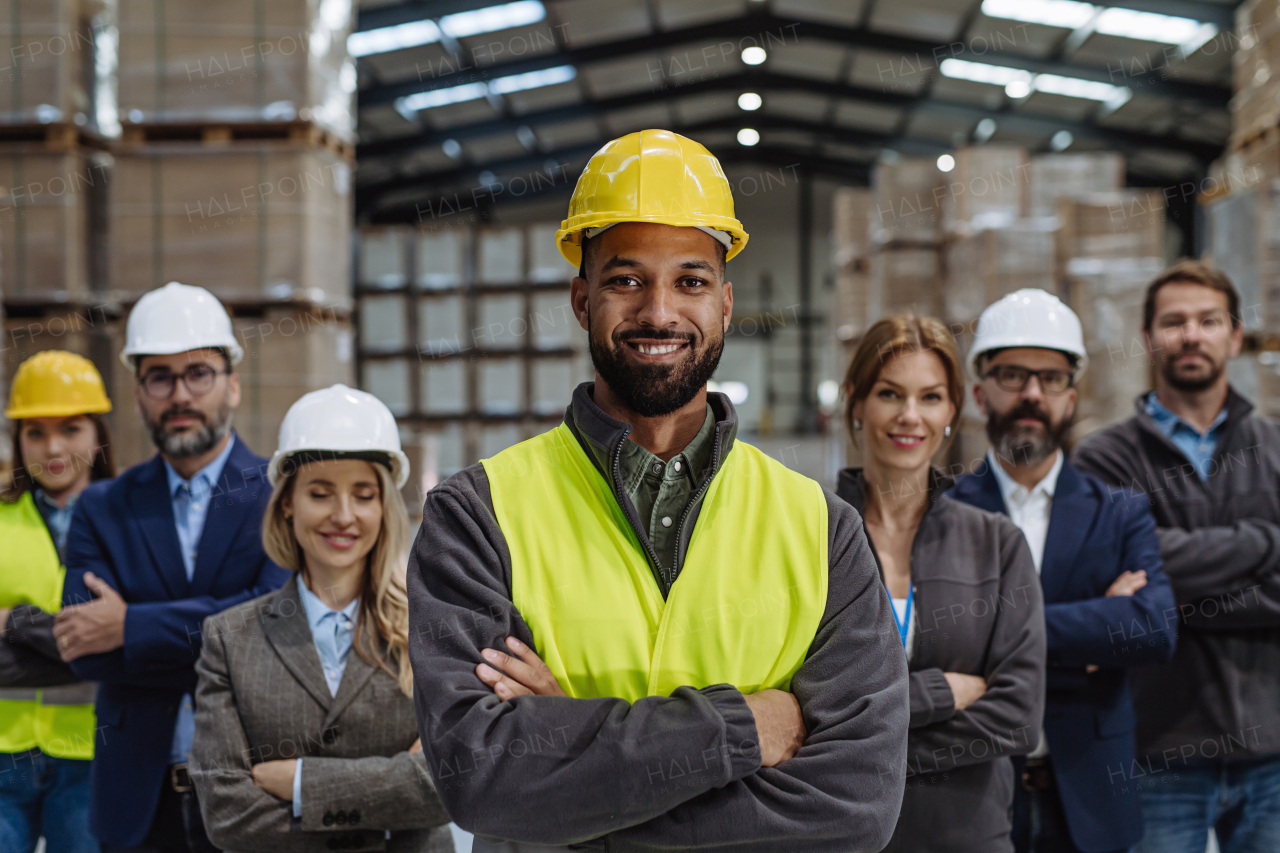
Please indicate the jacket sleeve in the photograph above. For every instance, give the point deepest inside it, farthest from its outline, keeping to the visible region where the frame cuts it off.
(1006, 719)
(931, 698)
(238, 815)
(161, 639)
(1119, 631)
(513, 769)
(843, 789)
(1199, 563)
(1224, 577)
(390, 793)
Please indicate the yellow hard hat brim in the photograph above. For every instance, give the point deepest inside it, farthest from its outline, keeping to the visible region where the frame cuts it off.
(651, 176)
(23, 412)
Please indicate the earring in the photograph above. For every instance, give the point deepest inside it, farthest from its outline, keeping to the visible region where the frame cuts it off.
(946, 433)
(857, 424)
(290, 517)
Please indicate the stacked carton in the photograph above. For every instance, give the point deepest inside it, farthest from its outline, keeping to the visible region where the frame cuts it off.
(906, 222)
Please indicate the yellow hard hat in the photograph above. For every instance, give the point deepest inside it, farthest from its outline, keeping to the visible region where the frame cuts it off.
(56, 384)
(650, 176)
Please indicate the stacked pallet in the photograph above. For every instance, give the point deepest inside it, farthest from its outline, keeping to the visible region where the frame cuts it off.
(232, 171)
(469, 336)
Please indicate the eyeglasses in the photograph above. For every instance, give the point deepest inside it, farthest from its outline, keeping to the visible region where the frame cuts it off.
(1012, 377)
(198, 378)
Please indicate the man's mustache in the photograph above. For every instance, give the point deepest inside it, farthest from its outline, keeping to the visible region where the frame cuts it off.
(178, 412)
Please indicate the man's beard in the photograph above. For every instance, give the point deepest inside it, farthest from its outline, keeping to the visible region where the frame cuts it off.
(1025, 445)
(654, 390)
(1191, 384)
(192, 442)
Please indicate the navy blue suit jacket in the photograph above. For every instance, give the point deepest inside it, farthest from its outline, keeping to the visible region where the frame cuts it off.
(1095, 533)
(123, 531)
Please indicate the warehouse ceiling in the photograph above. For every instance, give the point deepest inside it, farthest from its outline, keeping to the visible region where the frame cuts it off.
(464, 104)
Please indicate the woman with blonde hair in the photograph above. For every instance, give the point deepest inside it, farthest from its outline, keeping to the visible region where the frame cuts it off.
(963, 587)
(306, 738)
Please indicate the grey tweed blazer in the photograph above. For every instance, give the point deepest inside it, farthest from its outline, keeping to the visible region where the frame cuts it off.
(262, 696)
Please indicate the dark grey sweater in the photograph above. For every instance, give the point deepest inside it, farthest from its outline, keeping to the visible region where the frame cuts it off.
(665, 773)
(978, 610)
(1220, 539)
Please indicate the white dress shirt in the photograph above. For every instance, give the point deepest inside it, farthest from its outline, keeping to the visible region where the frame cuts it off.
(1029, 509)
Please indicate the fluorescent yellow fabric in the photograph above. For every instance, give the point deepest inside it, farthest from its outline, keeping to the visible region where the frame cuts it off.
(30, 573)
(743, 611)
(650, 176)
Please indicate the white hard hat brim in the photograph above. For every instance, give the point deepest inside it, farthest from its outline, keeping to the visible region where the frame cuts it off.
(128, 356)
(399, 462)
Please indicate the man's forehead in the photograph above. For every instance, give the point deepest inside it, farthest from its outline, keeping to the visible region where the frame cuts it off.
(179, 360)
(1032, 357)
(1189, 296)
(655, 235)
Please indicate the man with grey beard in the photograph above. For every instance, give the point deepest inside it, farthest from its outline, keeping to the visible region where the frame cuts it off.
(1098, 558)
(149, 556)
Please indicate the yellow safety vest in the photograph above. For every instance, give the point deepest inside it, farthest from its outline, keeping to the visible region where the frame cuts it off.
(31, 573)
(743, 610)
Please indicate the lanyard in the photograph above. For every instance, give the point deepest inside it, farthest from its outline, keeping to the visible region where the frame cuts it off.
(905, 625)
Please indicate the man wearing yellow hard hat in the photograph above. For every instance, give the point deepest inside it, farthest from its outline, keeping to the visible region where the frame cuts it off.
(635, 631)
(60, 445)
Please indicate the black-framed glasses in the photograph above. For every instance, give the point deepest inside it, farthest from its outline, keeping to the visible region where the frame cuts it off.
(1013, 377)
(199, 379)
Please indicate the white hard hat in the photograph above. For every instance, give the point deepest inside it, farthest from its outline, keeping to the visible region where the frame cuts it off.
(1029, 318)
(178, 318)
(340, 420)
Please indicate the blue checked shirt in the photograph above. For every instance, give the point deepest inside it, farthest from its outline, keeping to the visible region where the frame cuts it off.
(1198, 447)
(331, 631)
(190, 509)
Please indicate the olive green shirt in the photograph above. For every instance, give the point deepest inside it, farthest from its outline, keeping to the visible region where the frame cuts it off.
(662, 491)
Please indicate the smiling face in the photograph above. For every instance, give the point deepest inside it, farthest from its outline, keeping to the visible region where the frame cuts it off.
(337, 514)
(58, 453)
(906, 413)
(656, 309)
(1192, 335)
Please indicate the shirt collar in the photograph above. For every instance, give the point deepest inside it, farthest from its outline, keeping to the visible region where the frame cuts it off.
(1010, 487)
(317, 610)
(210, 473)
(1167, 421)
(42, 501)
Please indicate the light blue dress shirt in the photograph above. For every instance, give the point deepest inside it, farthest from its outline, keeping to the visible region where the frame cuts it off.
(57, 517)
(1198, 447)
(332, 632)
(190, 500)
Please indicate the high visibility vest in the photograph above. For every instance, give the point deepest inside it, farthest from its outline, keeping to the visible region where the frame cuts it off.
(31, 573)
(743, 610)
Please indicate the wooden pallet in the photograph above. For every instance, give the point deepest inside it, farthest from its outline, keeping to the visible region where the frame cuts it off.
(225, 133)
(55, 136)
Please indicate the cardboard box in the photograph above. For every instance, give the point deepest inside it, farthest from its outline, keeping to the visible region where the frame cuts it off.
(905, 281)
(1099, 228)
(988, 188)
(46, 62)
(851, 226)
(188, 61)
(991, 263)
(907, 199)
(253, 220)
(1057, 176)
(48, 228)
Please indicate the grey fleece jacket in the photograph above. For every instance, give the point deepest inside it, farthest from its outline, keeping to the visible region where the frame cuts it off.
(1219, 698)
(979, 610)
(679, 772)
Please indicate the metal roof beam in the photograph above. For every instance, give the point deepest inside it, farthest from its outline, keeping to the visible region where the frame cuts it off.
(765, 28)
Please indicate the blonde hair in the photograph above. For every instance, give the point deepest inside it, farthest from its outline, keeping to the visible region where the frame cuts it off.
(891, 337)
(382, 625)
